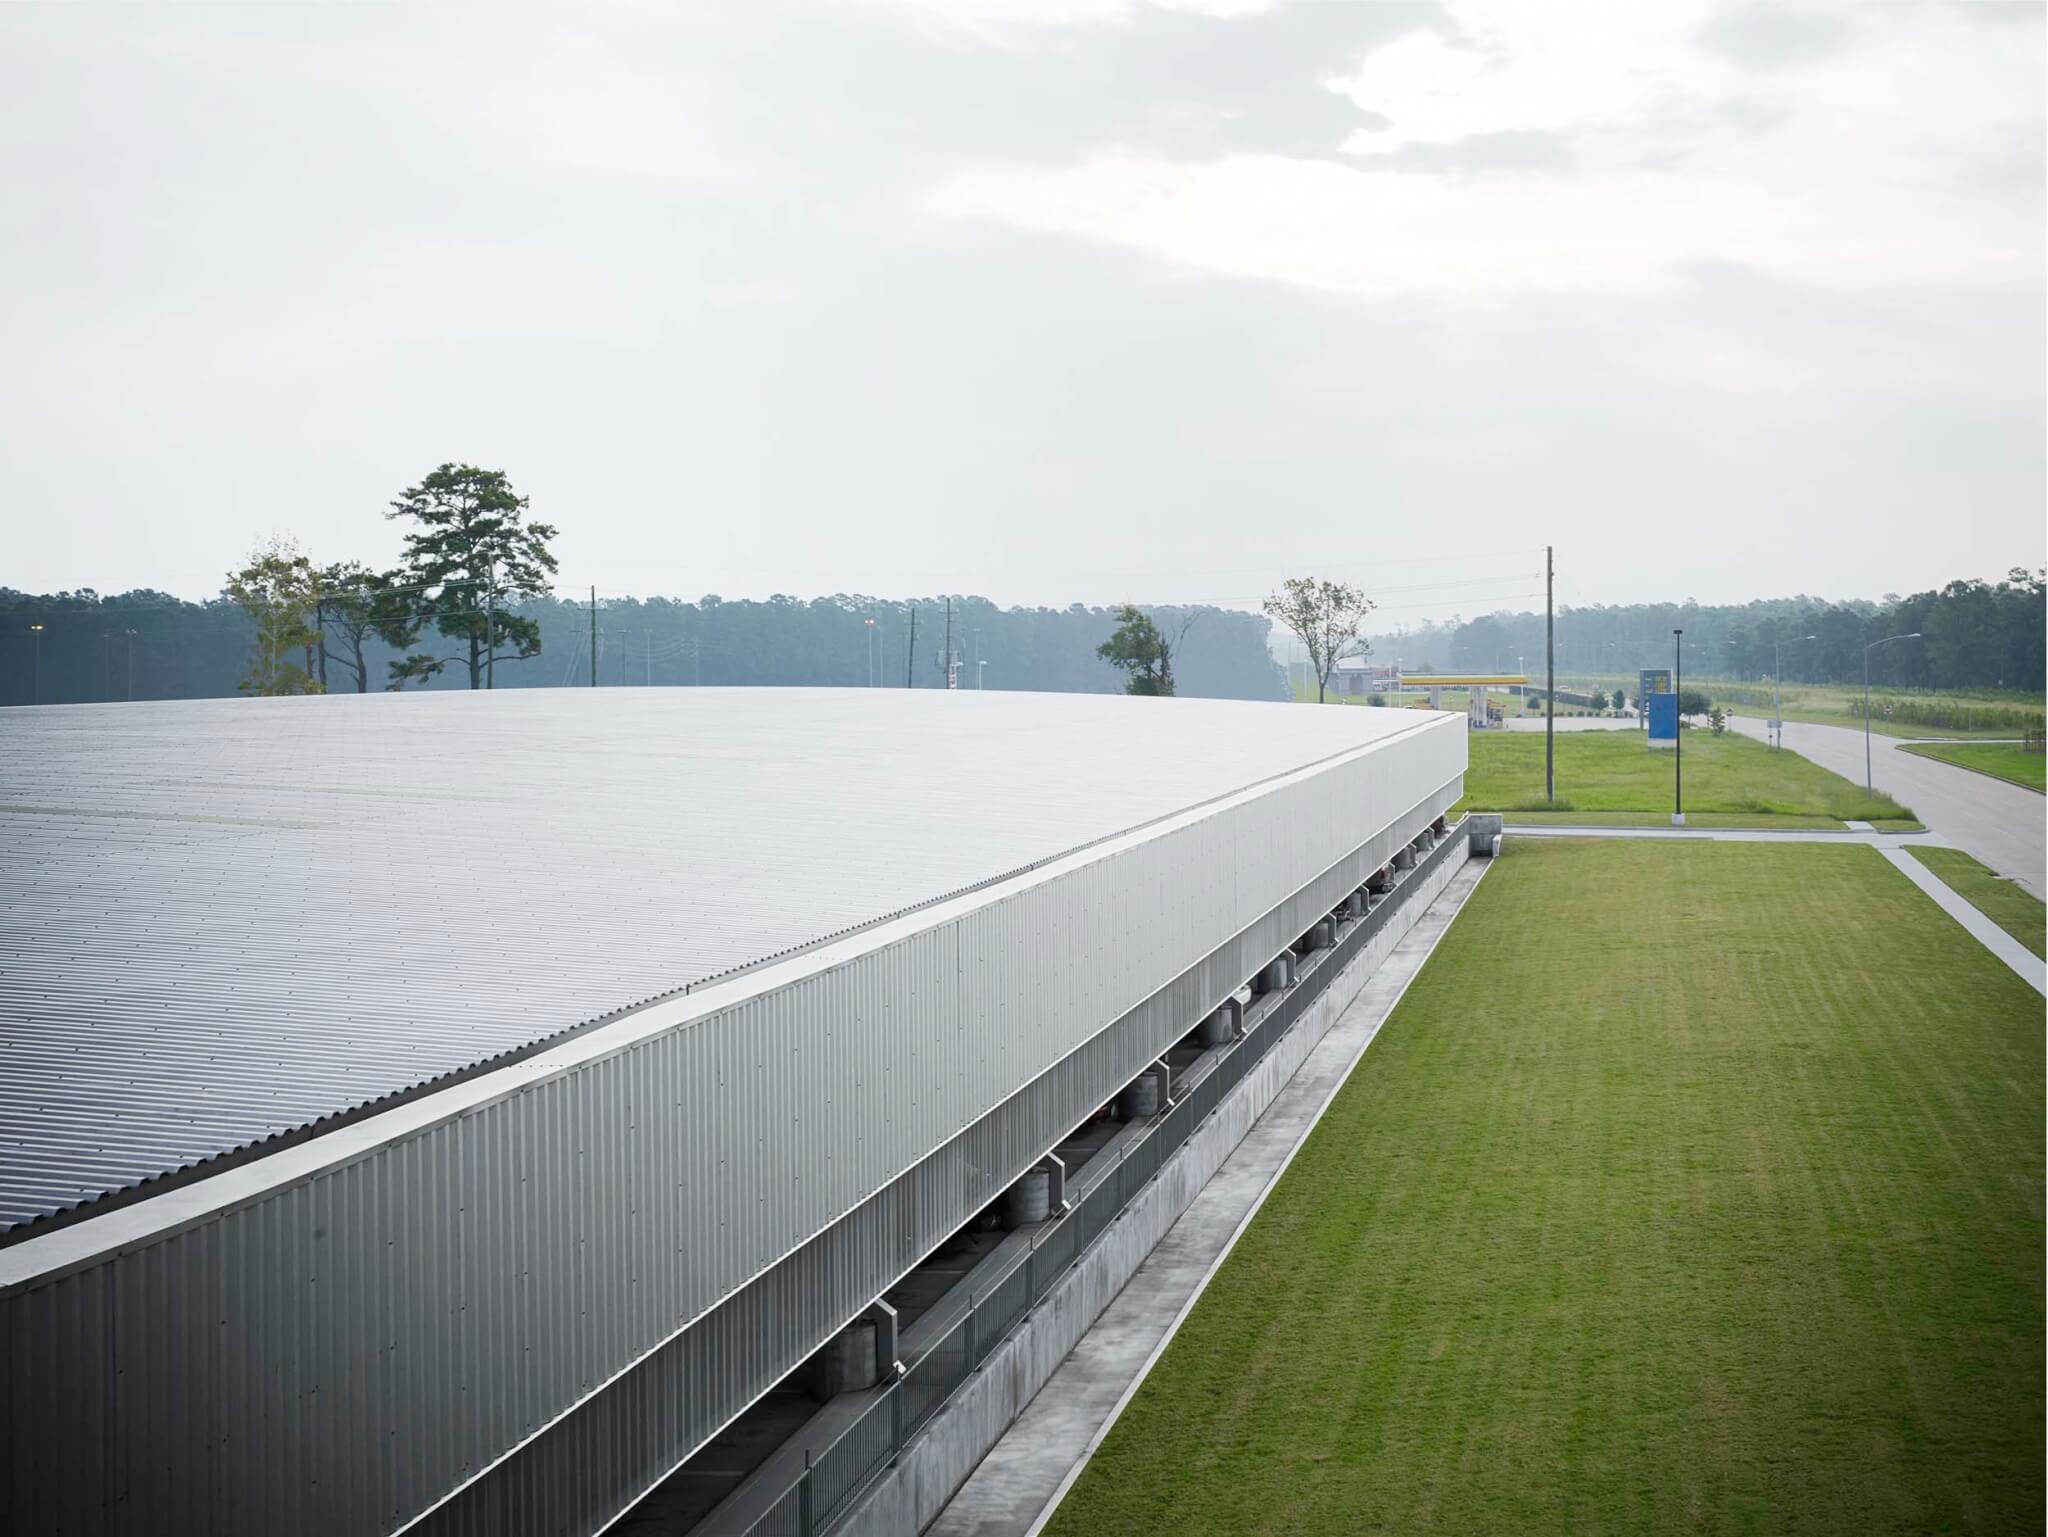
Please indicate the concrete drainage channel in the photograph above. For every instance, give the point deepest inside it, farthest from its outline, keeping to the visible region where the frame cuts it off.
(912, 1444)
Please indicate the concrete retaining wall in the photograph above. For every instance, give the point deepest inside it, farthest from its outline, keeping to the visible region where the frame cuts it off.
(909, 1496)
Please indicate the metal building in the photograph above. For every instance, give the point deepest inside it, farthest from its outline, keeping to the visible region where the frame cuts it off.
(446, 1112)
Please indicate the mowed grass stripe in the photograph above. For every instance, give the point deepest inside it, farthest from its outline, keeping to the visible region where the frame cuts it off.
(1691, 1186)
(2006, 903)
(1732, 778)
(2009, 761)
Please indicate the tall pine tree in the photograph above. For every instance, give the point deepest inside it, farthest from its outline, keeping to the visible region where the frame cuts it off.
(469, 550)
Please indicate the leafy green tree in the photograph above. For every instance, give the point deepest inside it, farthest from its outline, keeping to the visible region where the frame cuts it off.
(1145, 655)
(469, 551)
(278, 589)
(1692, 702)
(1326, 617)
(354, 604)
(1599, 701)
(1718, 719)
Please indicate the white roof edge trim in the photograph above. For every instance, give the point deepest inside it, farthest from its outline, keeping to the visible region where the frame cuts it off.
(145, 1221)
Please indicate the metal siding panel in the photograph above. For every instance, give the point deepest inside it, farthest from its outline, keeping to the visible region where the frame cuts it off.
(512, 1260)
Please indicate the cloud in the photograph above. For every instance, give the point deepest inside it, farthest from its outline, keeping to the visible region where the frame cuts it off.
(1559, 150)
(1773, 37)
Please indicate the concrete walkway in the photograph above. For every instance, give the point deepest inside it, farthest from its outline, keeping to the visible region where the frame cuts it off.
(2004, 825)
(1021, 1480)
(1572, 723)
(1990, 935)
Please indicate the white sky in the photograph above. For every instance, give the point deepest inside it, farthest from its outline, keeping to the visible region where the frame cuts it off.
(1063, 302)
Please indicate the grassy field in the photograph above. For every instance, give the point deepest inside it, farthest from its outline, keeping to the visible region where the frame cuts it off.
(1837, 705)
(1663, 819)
(2013, 908)
(1830, 706)
(1720, 1210)
(1602, 771)
(2001, 760)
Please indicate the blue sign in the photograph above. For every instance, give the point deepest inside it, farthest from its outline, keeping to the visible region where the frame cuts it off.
(1662, 713)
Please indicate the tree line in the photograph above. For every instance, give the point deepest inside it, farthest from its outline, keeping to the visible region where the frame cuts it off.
(1974, 635)
(471, 604)
(152, 645)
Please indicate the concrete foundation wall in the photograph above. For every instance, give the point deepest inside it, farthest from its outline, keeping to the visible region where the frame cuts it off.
(910, 1495)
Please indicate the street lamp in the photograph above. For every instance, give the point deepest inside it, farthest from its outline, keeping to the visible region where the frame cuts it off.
(1911, 635)
(129, 692)
(1777, 677)
(1677, 725)
(36, 688)
(871, 651)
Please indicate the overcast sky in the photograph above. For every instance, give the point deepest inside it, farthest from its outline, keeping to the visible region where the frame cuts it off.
(1069, 301)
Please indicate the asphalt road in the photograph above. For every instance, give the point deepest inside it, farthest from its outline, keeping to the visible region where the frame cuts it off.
(2002, 824)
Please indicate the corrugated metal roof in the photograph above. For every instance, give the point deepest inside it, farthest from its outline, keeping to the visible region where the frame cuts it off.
(226, 920)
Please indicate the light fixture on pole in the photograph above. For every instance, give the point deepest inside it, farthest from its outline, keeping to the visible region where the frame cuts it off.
(1868, 787)
(36, 688)
(1777, 678)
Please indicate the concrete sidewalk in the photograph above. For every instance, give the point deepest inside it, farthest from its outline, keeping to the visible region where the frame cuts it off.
(1018, 1484)
(2002, 824)
(1993, 938)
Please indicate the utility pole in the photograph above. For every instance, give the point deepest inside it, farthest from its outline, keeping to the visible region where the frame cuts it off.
(1549, 676)
(593, 636)
(870, 623)
(36, 688)
(1678, 728)
(910, 654)
(129, 693)
(946, 657)
(320, 629)
(107, 665)
(490, 625)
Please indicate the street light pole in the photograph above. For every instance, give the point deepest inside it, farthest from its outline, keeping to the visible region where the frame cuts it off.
(1868, 787)
(36, 687)
(871, 653)
(1777, 693)
(1677, 728)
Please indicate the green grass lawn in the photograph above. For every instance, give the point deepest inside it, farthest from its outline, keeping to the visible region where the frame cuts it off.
(2001, 760)
(1663, 819)
(2013, 908)
(1717, 1210)
(1603, 771)
(1825, 705)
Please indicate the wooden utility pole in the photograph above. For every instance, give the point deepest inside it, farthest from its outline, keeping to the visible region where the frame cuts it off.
(490, 628)
(1549, 676)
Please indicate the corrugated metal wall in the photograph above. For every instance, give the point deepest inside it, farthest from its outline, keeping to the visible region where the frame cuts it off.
(548, 1302)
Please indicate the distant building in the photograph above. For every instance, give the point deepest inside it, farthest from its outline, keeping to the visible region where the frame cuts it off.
(1358, 677)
